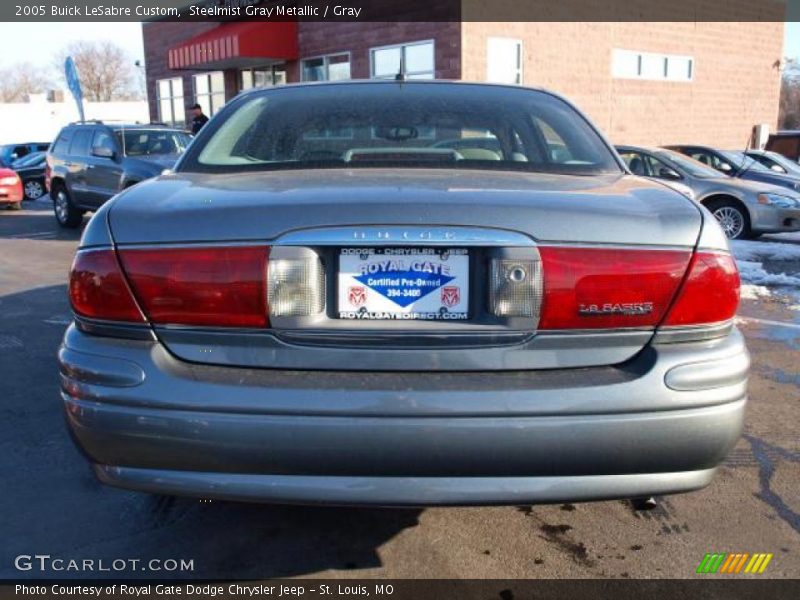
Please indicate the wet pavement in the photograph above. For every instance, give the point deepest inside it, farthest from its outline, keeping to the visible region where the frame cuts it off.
(53, 505)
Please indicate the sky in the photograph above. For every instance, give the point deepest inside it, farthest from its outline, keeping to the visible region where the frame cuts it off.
(39, 42)
(49, 38)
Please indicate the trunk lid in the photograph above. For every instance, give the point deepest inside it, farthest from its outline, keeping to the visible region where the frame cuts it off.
(609, 209)
(541, 210)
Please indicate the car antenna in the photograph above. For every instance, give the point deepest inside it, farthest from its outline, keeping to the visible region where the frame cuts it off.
(745, 166)
(401, 74)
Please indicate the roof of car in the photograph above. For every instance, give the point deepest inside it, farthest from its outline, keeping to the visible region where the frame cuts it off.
(123, 125)
(394, 82)
(636, 148)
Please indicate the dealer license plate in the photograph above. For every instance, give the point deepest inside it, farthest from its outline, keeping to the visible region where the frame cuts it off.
(403, 283)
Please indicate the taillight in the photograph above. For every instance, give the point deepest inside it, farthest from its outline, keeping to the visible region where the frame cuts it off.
(221, 286)
(710, 293)
(599, 288)
(97, 288)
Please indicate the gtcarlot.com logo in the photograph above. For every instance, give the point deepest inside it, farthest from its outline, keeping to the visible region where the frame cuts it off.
(732, 563)
(48, 563)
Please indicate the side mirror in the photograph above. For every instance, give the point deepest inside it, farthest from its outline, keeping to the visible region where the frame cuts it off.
(667, 173)
(725, 167)
(104, 152)
(778, 169)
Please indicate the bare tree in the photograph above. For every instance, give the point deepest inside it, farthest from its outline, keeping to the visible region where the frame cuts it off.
(105, 69)
(789, 113)
(18, 81)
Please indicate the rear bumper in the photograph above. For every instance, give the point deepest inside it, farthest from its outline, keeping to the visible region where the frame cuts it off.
(401, 491)
(659, 424)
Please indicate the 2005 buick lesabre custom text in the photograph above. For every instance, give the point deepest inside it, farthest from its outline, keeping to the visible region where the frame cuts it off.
(403, 293)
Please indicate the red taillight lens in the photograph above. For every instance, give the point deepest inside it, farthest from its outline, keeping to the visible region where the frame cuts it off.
(599, 288)
(223, 287)
(97, 288)
(710, 293)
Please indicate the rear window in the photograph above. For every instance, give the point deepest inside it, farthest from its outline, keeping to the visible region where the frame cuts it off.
(81, 142)
(401, 125)
(62, 143)
(150, 142)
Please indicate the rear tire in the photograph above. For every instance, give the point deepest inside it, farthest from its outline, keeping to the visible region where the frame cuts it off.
(66, 214)
(34, 189)
(732, 217)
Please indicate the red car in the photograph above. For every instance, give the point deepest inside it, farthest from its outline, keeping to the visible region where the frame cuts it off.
(10, 189)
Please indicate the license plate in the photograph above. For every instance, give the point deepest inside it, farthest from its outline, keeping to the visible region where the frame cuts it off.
(403, 283)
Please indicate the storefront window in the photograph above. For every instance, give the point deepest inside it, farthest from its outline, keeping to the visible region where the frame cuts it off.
(170, 102)
(262, 77)
(209, 91)
(333, 67)
(417, 57)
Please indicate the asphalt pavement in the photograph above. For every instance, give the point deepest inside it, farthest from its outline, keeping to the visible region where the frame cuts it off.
(53, 505)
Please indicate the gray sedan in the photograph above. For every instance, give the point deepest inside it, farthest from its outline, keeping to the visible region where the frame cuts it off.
(323, 304)
(743, 208)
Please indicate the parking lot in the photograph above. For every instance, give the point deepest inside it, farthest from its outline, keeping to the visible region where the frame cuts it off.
(52, 503)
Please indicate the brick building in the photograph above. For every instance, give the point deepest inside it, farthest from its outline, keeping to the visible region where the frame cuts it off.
(641, 82)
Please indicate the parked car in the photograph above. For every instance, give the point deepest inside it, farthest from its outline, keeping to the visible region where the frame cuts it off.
(743, 208)
(737, 164)
(776, 162)
(90, 162)
(10, 189)
(363, 317)
(11, 152)
(31, 171)
(786, 143)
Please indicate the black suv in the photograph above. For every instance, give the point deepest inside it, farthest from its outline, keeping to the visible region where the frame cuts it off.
(91, 161)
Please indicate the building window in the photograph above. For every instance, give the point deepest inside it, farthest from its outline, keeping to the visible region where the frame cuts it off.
(209, 91)
(629, 64)
(333, 67)
(417, 58)
(504, 60)
(262, 77)
(170, 102)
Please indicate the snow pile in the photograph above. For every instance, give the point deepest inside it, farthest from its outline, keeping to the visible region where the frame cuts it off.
(754, 272)
(754, 251)
(755, 292)
(750, 257)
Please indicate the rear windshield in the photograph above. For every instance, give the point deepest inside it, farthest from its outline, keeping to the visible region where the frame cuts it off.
(742, 161)
(401, 125)
(693, 167)
(149, 142)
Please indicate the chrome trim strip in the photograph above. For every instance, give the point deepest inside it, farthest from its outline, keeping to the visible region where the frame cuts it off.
(697, 333)
(610, 246)
(117, 329)
(392, 235)
(393, 340)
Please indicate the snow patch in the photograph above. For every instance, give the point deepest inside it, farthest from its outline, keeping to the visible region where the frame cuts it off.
(754, 292)
(745, 250)
(754, 272)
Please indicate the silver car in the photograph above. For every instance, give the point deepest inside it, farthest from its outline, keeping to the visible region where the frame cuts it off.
(744, 209)
(324, 305)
